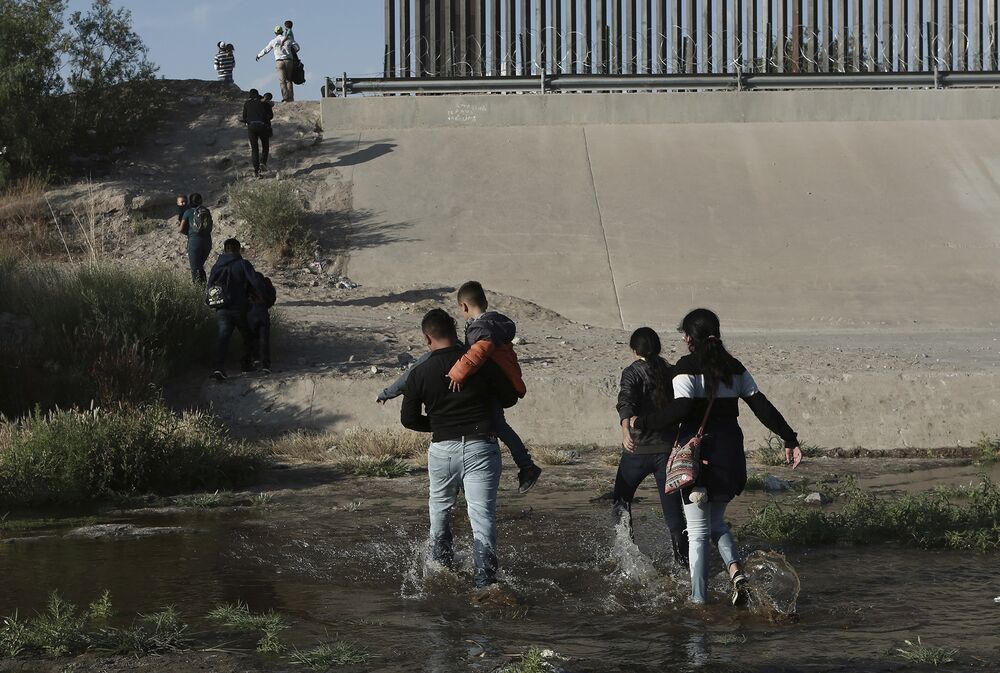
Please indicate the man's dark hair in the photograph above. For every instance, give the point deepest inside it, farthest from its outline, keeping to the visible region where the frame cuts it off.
(232, 246)
(254, 93)
(195, 199)
(288, 24)
(473, 293)
(439, 325)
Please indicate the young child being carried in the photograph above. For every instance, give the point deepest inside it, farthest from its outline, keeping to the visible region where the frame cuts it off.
(488, 336)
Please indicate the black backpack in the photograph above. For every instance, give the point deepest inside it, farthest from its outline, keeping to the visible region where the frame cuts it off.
(201, 222)
(218, 294)
(298, 69)
(270, 295)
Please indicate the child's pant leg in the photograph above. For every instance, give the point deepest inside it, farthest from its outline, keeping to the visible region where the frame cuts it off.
(518, 451)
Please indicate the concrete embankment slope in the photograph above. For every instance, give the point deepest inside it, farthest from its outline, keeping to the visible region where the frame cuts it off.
(850, 240)
(816, 209)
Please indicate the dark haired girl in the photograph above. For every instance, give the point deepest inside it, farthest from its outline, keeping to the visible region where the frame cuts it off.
(645, 389)
(710, 373)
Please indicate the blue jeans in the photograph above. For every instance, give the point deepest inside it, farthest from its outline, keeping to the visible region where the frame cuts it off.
(506, 434)
(707, 520)
(198, 250)
(473, 465)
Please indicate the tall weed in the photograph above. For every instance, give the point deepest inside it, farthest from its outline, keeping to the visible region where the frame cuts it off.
(95, 332)
(74, 457)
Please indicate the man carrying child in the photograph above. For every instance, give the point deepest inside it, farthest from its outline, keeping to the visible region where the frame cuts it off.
(488, 336)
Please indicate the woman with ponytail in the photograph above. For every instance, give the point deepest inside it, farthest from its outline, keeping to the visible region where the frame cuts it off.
(646, 388)
(709, 375)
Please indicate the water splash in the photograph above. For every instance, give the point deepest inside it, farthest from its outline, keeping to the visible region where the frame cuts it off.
(774, 585)
(630, 563)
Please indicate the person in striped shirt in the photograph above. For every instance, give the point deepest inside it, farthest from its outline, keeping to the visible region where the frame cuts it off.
(225, 62)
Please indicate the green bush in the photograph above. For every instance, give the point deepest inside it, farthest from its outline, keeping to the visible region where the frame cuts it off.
(936, 519)
(75, 457)
(272, 214)
(96, 332)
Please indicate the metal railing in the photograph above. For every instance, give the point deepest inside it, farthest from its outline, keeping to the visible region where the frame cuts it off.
(551, 83)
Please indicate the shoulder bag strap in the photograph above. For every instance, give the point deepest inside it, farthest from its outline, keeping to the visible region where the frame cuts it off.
(708, 410)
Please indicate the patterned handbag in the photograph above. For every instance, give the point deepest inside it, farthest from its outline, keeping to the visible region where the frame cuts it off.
(685, 461)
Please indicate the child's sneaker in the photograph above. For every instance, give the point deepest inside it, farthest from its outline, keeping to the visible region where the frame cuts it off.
(741, 590)
(527, 476)
(219, 375)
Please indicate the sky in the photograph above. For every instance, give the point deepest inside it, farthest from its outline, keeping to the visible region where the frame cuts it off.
(336, 36)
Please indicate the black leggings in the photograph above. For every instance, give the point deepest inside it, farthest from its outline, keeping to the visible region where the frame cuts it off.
(632, 469)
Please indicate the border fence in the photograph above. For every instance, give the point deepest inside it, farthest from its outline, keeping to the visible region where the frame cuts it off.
(526, 38)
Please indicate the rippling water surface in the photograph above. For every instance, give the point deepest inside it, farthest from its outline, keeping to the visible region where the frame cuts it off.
(583, 588)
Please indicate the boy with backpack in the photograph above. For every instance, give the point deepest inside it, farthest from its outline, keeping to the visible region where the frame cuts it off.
(489, 336)
(230, 285)
(259, 320)
(196, 223)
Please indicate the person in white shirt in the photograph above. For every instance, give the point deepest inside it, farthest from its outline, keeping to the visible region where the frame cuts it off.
(284, 61)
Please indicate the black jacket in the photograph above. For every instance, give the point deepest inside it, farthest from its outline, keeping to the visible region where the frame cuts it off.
(635, 398)
(242, 279)
(491, 326)
(256, 111)
(451, 415)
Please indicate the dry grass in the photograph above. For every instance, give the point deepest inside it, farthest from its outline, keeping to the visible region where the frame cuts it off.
(547, 456)
(355, 449)
(25, 223)
(611, 459)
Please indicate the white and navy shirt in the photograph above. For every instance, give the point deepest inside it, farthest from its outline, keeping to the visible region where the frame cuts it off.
(691, 398)
(225, 63)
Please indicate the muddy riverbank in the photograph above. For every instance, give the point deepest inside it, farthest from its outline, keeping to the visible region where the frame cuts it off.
(340, 558)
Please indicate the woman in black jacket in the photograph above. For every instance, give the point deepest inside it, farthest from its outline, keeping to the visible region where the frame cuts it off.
(710, 375)
(645, 389)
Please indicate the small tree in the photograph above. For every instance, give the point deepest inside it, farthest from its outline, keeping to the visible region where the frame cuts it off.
(102, 104)
(110, 78)
(30, 133)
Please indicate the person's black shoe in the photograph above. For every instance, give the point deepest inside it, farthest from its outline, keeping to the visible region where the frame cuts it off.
(219, 375)
(741, 590)
(527, 476)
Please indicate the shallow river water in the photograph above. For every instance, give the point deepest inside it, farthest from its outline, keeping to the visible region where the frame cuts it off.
(346, 566)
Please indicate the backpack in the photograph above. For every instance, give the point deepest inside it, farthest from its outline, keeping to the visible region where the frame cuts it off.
(298, 69)
(201, 222)
(218, 294)
(270, 295)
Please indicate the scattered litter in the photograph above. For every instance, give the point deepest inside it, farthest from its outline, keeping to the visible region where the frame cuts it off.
(817, 498)
(518, 341)
(345, 283)
(997, 599)
(374, 369)
(315, 267)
